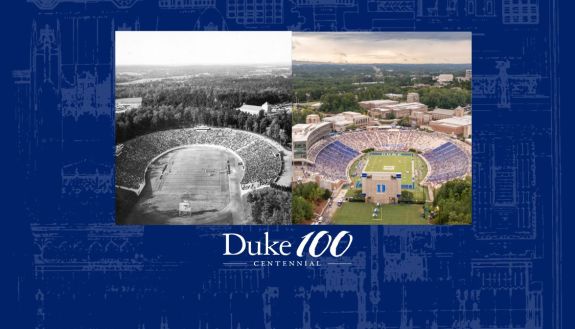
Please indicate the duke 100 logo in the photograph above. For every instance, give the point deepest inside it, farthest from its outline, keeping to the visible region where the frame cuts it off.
(313, 244)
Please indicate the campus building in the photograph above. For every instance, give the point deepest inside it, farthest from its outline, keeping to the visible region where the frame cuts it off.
(345, 120)
(254, 109)
(459, 126)
(419, 119)
(269, 110)
(312, 118)
(443, 79)
(305, 135)
(412, 98)
(368, 105)
(398, 110)
(439, 114)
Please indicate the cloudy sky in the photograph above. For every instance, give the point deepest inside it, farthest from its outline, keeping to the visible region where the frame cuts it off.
(383, 47)
(209, 48)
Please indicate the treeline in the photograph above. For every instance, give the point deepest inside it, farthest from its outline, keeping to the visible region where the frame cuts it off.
(339, 88)
(212, 92)
(148, 119)
(313, 89)
(452, 204)
(447, 98)
(299, 114)
(270, 206)
(303, 198)
(209, 101)
(332, 103)
(433, 97)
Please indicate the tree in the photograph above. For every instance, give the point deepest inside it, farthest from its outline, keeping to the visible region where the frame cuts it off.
(406, 196)
(310, 192)
(452, 202)
(270, 206)
(337, 103)
(326, 194)
(301, 209)
(205, 101)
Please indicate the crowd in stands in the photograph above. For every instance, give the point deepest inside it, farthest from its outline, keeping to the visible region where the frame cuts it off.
(448, 159)
(333, 159)
(392, 140)
(261, 160)
(317, 147)
(263, 164)
(447, 162)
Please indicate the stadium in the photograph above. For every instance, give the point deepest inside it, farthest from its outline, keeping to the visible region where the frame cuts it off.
(194, 175)
(378, 165)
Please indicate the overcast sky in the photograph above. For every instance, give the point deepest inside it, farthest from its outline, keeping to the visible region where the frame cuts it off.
(188, 48)
(383, 47)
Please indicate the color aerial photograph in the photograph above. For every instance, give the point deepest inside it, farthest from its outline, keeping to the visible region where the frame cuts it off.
(382, 128)
(203, 128)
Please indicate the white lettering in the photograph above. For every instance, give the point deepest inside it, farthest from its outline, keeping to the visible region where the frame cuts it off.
(242, 240)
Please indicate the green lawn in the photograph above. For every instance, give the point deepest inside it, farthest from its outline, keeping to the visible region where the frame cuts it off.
(357, 213)
(401, 163)
(394, 163)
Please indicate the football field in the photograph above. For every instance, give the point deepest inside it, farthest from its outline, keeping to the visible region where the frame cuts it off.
(413, 169)
(197, 175)
(392, 162)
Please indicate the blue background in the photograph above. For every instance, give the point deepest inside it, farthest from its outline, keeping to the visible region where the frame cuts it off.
(67, 265)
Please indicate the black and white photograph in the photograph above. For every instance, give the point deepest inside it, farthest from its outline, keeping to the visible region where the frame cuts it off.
(203, 128)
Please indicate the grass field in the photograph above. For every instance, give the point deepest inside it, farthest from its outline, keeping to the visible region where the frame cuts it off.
(400, 163)
(392, 163)
(358, 213)
(196, 174)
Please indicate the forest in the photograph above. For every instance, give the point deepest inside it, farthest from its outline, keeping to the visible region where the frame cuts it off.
(205, 100)
(270, 206)
(304, 197)
(340, 87)
(453, 203)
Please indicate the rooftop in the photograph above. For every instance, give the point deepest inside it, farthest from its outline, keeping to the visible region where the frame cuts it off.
(353, 114)
(442, 111)
(407, 106)
(251, 109)
(445, 77)
(455, 121)
(301, 131)
(379, 102)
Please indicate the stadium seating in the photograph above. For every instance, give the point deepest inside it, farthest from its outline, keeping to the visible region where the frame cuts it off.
(261, 159)
(447, 162)
(333, 159)
(447, 158)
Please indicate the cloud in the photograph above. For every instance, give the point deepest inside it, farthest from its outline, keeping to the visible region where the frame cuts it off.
(383, 47)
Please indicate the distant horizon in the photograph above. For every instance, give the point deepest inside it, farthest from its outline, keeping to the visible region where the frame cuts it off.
(382, 47)
(283, 64)
(206, 64)
(391, 63)
(184, 48)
